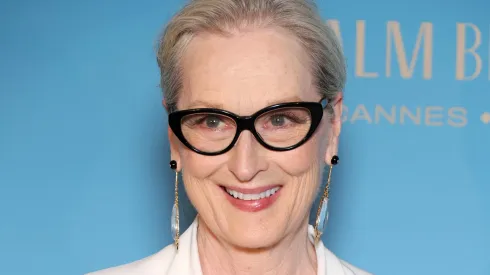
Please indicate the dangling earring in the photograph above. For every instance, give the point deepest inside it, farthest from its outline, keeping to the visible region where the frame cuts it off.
(175, 210)
(322, 212)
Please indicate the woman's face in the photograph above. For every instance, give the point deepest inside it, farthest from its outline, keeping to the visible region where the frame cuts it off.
(242, 74)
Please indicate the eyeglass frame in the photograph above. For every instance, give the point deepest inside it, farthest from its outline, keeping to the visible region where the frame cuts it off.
(248, 123)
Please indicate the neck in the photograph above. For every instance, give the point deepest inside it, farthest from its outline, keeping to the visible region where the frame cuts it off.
(295, 254)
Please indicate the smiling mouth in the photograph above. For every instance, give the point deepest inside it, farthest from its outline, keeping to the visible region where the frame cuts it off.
(252, 197)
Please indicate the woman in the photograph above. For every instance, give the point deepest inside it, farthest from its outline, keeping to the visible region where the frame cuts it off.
(253, 91)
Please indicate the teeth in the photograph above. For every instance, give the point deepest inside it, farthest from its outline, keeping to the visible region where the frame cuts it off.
(249, 197)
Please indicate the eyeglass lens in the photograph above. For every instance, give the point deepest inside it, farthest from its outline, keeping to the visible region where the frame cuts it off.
(279, 128)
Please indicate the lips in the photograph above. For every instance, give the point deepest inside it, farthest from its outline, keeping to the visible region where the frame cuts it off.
(252, 200)
(252, 195)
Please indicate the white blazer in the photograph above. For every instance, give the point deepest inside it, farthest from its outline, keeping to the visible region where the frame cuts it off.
(186, 262)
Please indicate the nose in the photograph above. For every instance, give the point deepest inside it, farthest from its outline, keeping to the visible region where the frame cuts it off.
(246, 158)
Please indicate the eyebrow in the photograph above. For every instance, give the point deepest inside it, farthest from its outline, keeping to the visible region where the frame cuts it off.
(284, 100)
(205, 104)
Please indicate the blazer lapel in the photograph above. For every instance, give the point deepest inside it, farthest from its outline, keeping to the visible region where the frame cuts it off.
(186, 261)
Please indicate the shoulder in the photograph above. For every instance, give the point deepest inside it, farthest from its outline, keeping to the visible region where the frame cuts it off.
(352, 270)
(166, 261)
(155, 264)
(334, 265)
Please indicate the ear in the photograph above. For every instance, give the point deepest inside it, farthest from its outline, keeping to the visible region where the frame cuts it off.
(174, 148)
(334, 129)
(174, 145)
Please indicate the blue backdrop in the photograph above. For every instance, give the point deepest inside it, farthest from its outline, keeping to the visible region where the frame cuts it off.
(84, 178)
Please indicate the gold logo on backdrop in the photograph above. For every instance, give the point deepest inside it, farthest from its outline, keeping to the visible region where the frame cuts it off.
(465, 51)
(431, 116)
(469, 51)
(485, 118)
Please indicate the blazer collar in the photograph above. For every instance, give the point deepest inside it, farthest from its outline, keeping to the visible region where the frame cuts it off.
(186, 260)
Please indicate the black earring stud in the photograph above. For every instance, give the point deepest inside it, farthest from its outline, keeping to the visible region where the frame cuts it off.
(335, 160)
(173, 164)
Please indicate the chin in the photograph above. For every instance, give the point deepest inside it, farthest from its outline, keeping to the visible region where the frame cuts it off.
(253, 240)
(254, 232)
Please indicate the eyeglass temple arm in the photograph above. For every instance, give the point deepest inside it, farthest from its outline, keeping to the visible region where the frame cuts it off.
(325, 102)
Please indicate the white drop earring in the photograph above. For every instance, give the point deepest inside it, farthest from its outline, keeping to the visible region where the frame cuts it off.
(322, 212)
(174, 220)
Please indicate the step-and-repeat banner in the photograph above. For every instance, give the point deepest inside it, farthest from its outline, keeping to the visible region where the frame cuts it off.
(84, 177)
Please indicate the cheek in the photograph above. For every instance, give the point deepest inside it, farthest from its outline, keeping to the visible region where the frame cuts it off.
(200, 166)
(197, 170)
(303, 159)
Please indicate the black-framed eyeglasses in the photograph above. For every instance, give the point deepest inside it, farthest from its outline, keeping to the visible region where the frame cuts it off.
(279, 127)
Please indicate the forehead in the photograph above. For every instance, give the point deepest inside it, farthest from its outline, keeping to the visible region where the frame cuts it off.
(245, 72)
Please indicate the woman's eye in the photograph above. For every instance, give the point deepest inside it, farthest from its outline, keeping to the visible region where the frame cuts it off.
(212, 121)
(278, 120)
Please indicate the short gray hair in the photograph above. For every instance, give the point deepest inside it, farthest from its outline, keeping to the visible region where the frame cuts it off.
(224, 17)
